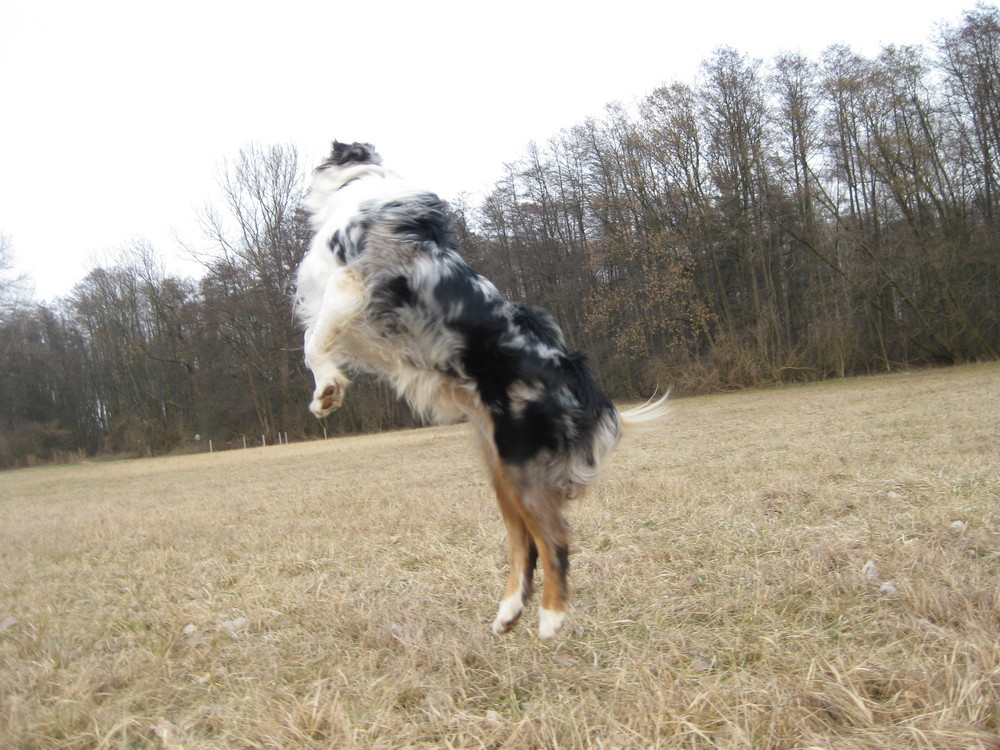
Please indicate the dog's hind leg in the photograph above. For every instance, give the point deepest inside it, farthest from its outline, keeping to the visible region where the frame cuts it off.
(523, 555)
(544, 520)
(343, 300)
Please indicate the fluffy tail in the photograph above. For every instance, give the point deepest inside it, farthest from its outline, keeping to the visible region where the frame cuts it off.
(651, 411)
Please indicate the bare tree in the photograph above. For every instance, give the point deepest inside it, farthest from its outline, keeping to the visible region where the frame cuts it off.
(14, 287)
(258, 237)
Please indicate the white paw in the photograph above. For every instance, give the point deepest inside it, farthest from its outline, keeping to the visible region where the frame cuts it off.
(508, 614)
(328, 398)
(549, 623)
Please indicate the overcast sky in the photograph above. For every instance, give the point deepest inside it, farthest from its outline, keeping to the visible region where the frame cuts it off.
(117, 115)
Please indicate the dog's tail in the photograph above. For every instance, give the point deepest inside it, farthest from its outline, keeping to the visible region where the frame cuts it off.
(652, 411)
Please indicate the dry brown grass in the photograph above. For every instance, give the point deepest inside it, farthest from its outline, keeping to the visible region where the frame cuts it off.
(338, 594)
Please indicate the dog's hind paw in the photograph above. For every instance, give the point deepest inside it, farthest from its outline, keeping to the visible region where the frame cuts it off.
(508, 614)
(550, 622)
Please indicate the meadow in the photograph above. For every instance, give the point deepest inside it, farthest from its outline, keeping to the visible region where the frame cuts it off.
(807, 567)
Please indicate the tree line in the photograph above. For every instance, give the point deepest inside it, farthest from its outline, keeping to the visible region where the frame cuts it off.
(766, 223)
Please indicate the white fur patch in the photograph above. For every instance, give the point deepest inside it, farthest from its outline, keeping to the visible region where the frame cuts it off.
(509, 612)
(549, 623)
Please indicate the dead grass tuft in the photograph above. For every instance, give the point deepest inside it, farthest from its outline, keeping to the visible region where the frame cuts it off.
(338, 594)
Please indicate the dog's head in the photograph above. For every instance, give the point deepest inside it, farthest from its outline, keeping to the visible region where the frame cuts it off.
(349, 154)
(347, 162)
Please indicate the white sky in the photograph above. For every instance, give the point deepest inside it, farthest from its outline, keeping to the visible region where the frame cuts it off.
(115, 116)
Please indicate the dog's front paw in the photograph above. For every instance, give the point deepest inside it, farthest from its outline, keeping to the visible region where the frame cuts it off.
(327, 398)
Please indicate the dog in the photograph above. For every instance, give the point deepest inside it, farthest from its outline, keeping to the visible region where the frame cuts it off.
(383, 288)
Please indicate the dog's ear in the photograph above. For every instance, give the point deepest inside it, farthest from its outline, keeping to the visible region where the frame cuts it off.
(343, 154)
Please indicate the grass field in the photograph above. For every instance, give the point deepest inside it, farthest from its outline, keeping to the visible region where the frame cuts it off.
(338, 594)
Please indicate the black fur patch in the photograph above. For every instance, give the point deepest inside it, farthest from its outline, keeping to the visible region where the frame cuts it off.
(515, 346)
(390, 298)
(348, 243)
(537, 322)
(338, 247)
(426, 222)
(562, 558)
(529, 570)
(480, 321)
(343, 154)
(399, 292)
